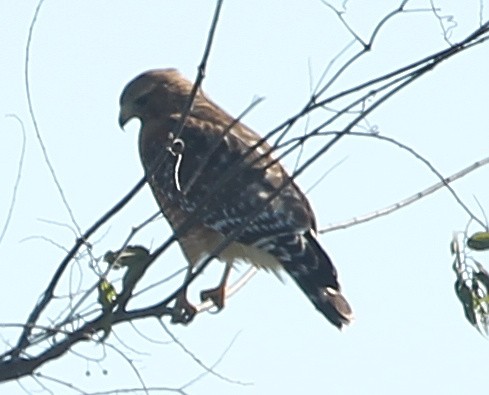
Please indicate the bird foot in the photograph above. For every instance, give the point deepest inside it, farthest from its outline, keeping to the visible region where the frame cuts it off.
(183, 311)
(216, 295)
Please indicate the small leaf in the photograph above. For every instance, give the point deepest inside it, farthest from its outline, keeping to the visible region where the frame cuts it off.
(106, 294)
(465, 296)
(479, 241)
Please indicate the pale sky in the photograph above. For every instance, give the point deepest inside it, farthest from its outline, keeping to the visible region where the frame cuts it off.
(410, 335)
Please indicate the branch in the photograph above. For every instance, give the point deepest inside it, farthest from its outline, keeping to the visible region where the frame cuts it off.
(17, 179)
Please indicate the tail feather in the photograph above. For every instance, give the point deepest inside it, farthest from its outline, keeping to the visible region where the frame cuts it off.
(311, 268)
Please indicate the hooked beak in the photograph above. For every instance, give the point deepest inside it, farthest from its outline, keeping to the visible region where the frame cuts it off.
(124, 116)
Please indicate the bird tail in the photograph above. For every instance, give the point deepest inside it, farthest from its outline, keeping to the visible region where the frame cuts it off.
(311, 268)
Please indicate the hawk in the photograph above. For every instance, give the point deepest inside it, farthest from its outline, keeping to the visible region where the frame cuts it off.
(218, 172)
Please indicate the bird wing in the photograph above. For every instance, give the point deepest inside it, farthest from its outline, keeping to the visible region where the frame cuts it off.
(221, 175)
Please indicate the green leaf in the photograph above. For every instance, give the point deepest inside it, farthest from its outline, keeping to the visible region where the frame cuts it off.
(106, 294)
(479, 241)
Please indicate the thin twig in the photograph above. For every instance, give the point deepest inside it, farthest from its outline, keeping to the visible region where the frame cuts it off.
(131, 364)
(411, 199)
(194, 380)
(201, 69)
(17, 179)
(196, 359)
(34, 120)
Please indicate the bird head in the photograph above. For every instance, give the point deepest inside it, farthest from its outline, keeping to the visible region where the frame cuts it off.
(152, 95)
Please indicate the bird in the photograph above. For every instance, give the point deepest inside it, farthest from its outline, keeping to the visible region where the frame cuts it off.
(215, 180)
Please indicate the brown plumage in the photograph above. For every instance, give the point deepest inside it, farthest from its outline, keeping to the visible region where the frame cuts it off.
(209, 172)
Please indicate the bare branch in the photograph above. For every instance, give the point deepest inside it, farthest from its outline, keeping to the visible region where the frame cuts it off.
(414, 198)
(88, 318)
(191, 382)
(17, 179)
(34, 120)
(196, 359)
(447, 22)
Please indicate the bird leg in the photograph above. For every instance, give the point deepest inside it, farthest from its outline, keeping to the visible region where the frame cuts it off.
(217, 295)
(183, 311)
